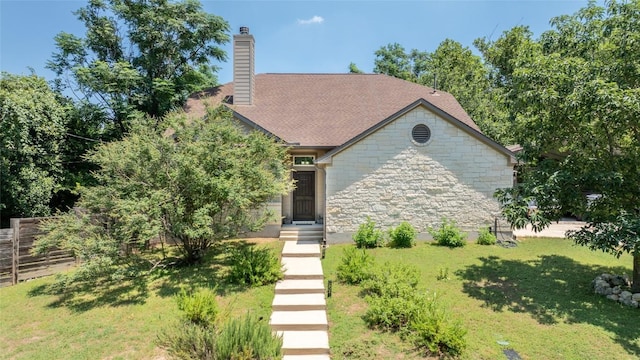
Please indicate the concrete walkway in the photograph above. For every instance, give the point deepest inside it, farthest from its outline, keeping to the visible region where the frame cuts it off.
(555, 230)
(299, 306)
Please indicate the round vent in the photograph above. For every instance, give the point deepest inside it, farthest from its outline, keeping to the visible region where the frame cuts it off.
(421, 133)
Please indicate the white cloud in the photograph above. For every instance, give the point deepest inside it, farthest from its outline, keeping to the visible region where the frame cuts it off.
(314, 20)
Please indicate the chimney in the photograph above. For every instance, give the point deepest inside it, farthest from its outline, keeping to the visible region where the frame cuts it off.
(243, 67)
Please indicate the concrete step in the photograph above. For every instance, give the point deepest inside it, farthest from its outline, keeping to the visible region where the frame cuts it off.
(307, 357)
(302, 268)
(305, 342)
(295, 237)
(307, 320)
(298, 302)
(301, 248)
(315, 286)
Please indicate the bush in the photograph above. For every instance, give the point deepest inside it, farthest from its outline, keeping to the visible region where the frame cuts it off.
(448, 234)
(367, 235)
(391, 313)
(403, 236)
(255, 266)
(485, 237)
(355, 266)
(199, 308)
(188, 341)
(248, 338)
(433, 329)
(396, 280)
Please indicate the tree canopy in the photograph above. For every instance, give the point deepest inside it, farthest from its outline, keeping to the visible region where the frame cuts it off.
(32, 133)
(194, 184)
(575, 101)
(139, 56)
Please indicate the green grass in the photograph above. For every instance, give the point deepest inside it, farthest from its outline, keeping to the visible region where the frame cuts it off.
(537, 297)
(115, 320)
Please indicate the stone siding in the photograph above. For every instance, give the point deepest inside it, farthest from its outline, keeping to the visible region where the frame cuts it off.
(391, 179)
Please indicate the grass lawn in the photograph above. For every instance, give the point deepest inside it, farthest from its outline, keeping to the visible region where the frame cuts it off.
(536, 297)
(118, 320)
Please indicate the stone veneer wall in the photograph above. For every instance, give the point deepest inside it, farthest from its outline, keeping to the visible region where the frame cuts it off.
(391, 179)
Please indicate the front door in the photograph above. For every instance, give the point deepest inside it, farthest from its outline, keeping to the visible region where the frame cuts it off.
(304, 196)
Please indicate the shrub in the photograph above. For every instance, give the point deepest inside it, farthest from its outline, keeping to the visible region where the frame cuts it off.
(367, 235)
(188, 341)
(485, 237)
(355, 266)
(247, 338)
(395, 280)
(255, 266)
(199, 308)
(391, 313)
(403, 236)
(448, 234)
(433, 329)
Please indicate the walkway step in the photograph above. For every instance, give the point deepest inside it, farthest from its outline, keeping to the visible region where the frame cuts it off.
(315, 286)
(305, 342)
(302, 268)
(308, 320)
(307, 357)
(299, 302)
(301, 248)
(296, 237)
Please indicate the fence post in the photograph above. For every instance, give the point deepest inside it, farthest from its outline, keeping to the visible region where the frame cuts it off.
(15, 262)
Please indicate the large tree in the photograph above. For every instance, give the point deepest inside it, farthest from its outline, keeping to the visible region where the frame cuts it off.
(32, 133)
(197, 183)
(576, 104)
(139, 55)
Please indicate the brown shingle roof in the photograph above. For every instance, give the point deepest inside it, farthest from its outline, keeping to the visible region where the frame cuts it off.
(326, 110)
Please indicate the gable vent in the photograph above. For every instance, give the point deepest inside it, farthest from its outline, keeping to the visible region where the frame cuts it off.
(421, 133)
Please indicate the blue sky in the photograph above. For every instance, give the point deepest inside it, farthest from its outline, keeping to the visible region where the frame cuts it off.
(297, 36)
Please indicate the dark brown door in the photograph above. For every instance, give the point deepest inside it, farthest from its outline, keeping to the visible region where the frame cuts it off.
(304, 196)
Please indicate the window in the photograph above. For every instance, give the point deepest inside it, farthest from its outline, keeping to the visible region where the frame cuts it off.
(303, 160)
(421, 134)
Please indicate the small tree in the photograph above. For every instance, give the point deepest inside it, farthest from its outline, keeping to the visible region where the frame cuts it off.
(198, 183)
(33, 127)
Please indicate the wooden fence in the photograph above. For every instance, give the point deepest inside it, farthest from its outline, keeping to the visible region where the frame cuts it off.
(16, 261)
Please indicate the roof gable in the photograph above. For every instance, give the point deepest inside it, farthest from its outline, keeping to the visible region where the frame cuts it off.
(473, 131)
(327, 110)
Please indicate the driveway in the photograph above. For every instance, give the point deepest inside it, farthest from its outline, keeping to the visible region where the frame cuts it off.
(555, 230)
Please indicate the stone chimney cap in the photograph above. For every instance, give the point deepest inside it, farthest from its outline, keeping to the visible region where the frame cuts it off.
(244, 30)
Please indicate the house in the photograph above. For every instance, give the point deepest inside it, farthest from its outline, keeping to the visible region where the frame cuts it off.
(367, 145)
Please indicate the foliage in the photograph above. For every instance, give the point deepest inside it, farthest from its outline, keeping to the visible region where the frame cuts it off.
(255, 266)
(433, 329)
(448, 234)
(188, 341)
(33, 125)
(575, 104)
(367, 235)
(199, 307)
(391, 280)
(402, 236)
(201, 337)
(248, 338)
(390, 313)
(140, 56)
(355, 265)
(353, 69)
(205, 182)
(485, 237)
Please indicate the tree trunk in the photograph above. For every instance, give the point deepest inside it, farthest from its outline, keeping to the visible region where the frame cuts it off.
(635, 286)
